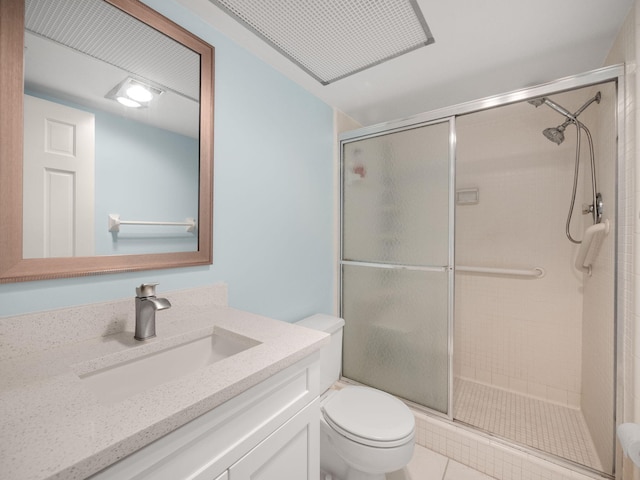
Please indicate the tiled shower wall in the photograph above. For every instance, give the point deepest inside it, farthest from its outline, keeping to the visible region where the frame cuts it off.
(551, 338)
(625, 51)
(519, 334)
(598, 332)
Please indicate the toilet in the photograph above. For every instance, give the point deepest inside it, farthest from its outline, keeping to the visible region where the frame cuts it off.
(364, 433)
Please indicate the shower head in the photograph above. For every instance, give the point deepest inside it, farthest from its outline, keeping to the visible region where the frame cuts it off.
(556, 134)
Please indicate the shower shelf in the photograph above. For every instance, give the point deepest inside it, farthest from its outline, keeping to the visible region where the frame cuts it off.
(535, 272)
(590, 245)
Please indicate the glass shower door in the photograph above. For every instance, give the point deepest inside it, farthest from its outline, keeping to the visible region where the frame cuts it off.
(396, 262)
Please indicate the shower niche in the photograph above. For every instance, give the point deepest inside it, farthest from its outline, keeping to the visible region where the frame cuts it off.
(475, 311)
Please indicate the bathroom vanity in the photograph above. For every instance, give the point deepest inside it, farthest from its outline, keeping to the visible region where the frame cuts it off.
(109, 407)
(272, 428)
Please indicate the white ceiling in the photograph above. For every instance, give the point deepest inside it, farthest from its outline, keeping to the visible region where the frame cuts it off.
(482, 48)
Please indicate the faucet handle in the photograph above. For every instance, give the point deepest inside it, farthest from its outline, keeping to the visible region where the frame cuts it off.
(146, 290)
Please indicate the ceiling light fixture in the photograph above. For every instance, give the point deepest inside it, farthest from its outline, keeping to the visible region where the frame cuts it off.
(127, 102)
(134, 93)
(139, 93)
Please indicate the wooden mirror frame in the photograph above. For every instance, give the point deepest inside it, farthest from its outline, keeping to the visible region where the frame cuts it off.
(14, 268)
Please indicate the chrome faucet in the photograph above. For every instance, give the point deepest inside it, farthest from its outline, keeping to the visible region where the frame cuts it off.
(146, 305)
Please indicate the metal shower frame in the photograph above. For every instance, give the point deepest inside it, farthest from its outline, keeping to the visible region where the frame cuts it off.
(613, 73)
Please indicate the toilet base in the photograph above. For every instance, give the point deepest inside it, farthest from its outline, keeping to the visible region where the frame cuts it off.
(357, 475)
(333, 463)
(330, 462)
(328, 476)
(352, 475)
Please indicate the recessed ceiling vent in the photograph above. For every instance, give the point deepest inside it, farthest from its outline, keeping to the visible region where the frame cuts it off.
(100, 30)
(332, 39)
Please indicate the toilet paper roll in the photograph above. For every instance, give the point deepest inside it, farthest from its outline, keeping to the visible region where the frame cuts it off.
(629, 436)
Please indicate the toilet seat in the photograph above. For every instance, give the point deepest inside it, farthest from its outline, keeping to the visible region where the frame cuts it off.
(369, 417)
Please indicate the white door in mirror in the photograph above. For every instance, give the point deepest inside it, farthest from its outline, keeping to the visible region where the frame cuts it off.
(58, 186)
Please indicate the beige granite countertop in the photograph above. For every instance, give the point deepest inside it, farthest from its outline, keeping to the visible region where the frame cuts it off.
(53, 427)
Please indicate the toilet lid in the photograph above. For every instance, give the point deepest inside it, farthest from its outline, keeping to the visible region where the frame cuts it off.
(369, 416)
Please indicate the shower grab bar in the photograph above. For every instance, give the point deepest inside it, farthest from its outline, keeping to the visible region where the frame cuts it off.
(115, 222)
(591, 245)
(536, 272)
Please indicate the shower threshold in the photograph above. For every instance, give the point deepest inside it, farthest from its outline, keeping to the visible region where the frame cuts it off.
(545, 426)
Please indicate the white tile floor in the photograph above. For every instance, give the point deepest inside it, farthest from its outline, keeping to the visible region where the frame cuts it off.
(428, 465)
(548, 427)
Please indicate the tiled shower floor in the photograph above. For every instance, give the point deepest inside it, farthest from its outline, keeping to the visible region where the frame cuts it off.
(545, 426)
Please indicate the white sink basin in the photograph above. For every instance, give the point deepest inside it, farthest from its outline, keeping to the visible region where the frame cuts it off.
(127, 378)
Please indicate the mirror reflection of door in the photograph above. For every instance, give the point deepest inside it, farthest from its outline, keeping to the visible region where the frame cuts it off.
(58, 185)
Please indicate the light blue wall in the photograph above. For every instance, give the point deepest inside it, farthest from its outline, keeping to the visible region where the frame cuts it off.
(134, 162)
(144, 173)
(272, 200)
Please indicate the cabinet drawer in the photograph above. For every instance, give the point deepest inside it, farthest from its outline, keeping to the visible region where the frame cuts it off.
(292, 451)
(205, 447)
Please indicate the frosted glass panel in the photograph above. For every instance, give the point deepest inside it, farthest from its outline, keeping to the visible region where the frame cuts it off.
(396, 197)
(395, 336)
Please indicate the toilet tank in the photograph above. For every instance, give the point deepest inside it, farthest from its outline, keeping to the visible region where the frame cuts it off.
(330, 355)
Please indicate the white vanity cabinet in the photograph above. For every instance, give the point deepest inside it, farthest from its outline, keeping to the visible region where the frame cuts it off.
(290, 452)
(268, 432)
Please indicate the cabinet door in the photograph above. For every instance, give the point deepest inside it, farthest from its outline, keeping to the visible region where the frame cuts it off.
(292, 451)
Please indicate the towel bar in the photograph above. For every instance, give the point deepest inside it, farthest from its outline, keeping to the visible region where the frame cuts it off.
(115, 222)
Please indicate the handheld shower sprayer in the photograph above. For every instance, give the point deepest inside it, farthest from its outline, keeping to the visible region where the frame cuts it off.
(556, 135)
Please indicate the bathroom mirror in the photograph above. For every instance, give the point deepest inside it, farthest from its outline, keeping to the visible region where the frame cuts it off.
(152, 165)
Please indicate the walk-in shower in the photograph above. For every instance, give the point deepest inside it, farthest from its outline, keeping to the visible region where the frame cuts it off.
(458, 287)
(532, 357)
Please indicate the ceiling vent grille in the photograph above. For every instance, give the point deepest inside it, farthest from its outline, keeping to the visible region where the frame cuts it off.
(332, 39)
(98, 29)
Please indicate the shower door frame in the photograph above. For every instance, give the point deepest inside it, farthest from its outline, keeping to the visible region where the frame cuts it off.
(613, 73)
